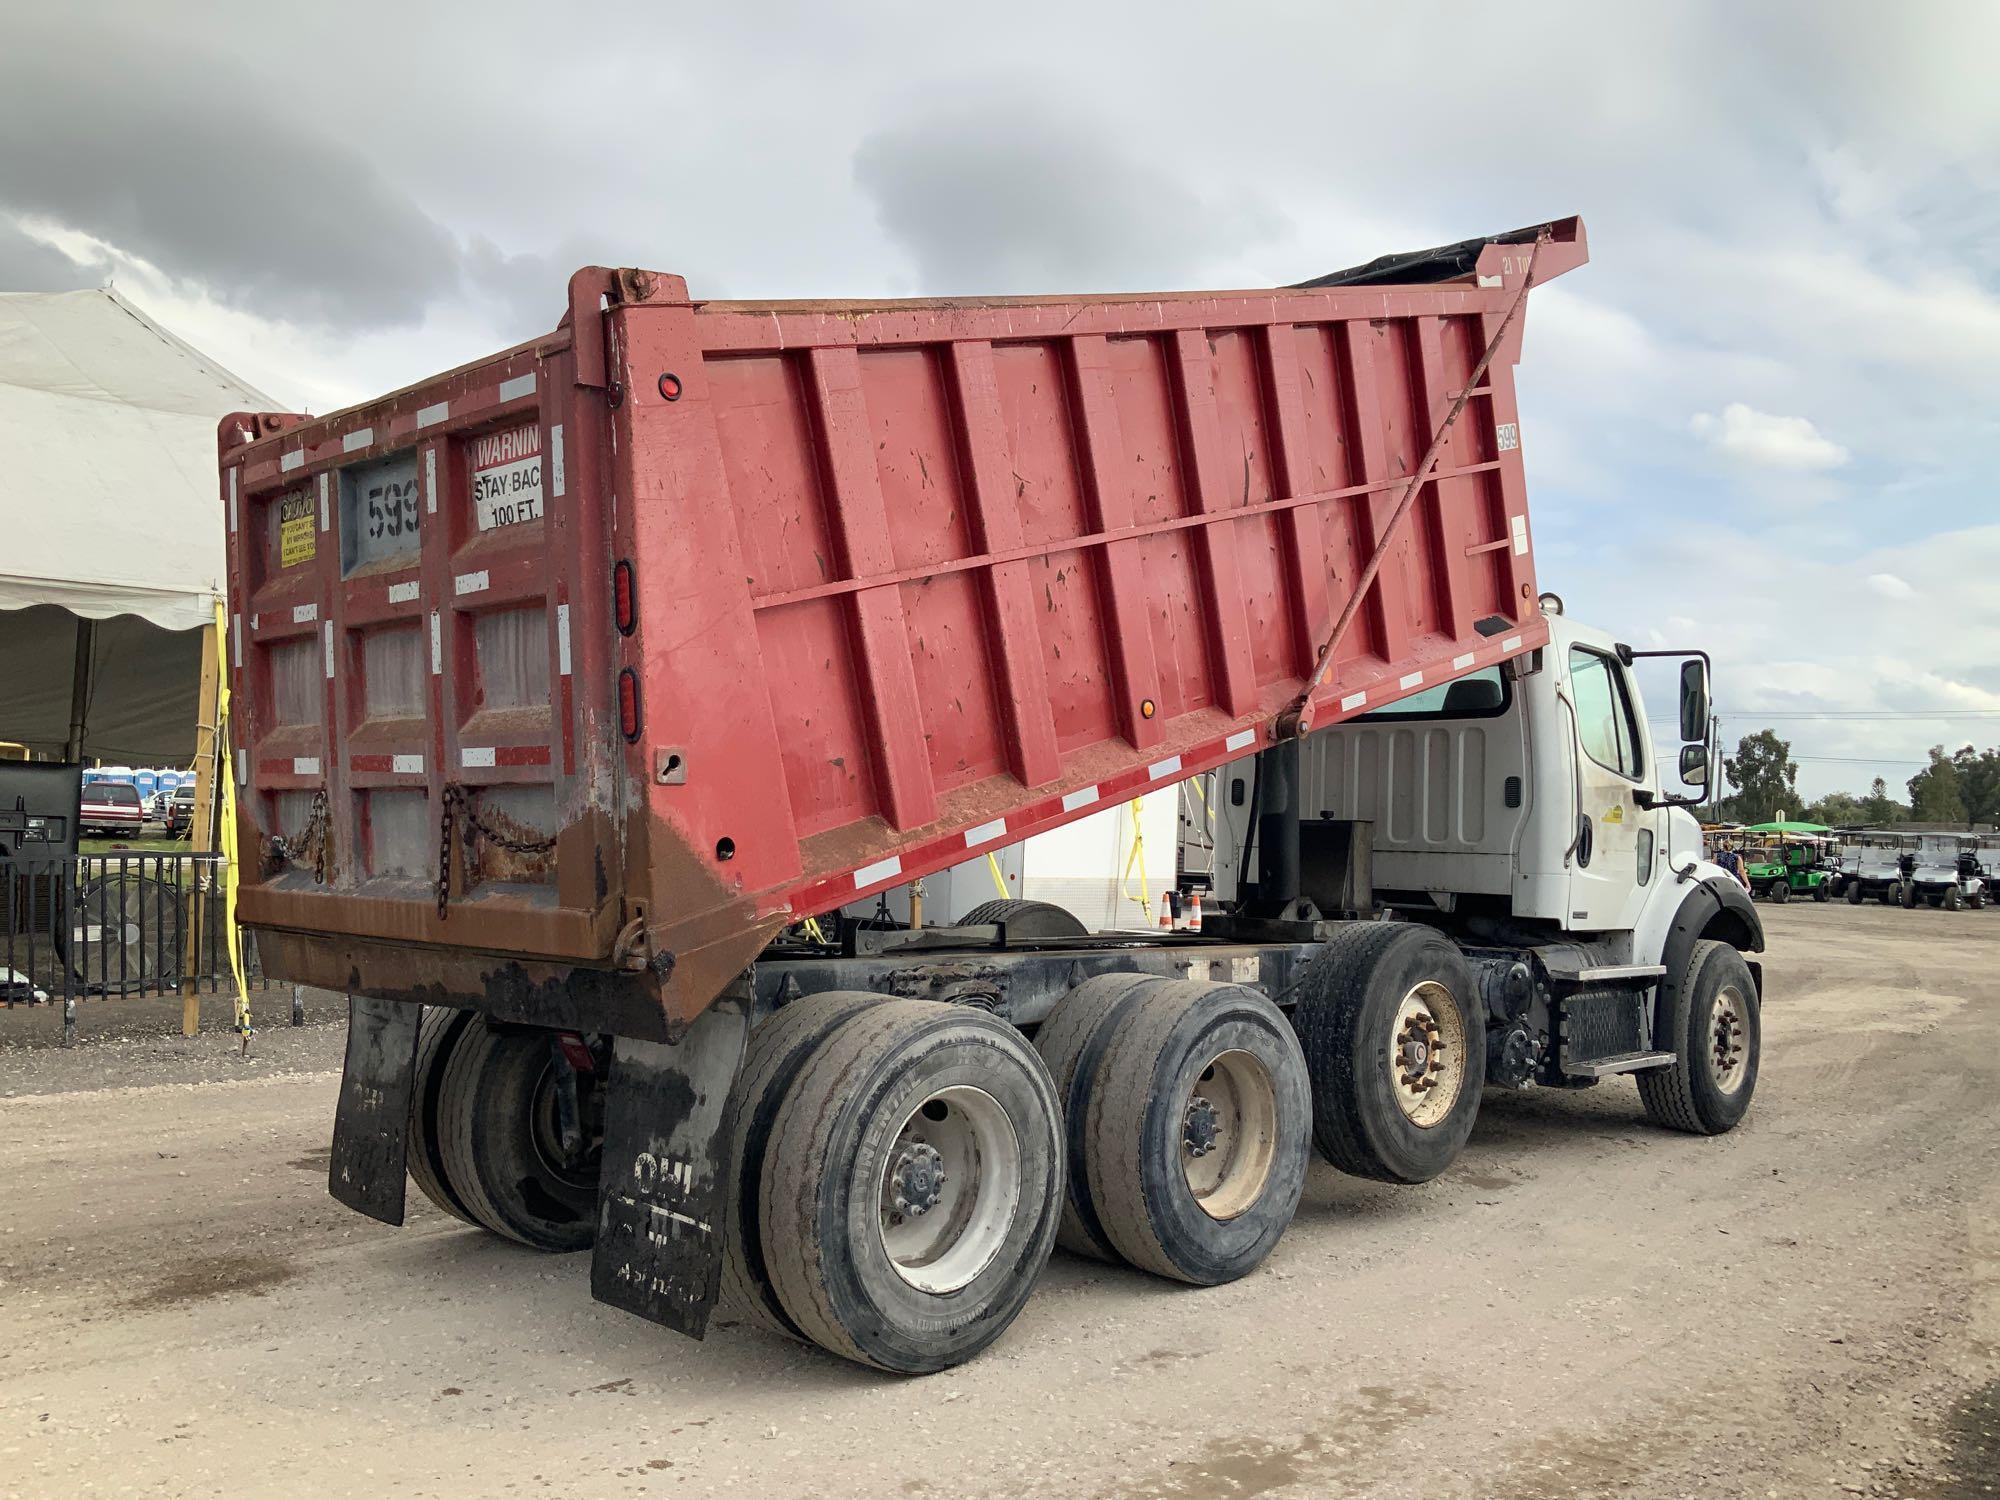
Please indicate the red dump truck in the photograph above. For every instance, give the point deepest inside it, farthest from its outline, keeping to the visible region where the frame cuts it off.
(581, 690)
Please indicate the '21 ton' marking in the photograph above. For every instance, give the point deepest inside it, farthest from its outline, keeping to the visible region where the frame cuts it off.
(507, 477)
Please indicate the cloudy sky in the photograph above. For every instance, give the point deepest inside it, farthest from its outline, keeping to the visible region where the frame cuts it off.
(1762, 420)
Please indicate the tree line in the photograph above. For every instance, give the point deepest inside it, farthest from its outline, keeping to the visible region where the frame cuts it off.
(1956, 787)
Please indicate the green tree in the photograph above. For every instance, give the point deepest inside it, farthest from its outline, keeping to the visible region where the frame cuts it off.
(1979, 783)
(1879, 809)
(1934, 791)
(1837, 810)
(1765, 777)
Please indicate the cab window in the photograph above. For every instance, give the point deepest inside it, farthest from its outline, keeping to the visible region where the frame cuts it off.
(1605, 722)
(1477, 695)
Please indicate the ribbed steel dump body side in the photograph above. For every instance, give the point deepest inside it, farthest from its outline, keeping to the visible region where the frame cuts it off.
(908, 581)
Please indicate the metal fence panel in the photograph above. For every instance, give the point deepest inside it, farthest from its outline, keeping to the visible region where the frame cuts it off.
(110, 925)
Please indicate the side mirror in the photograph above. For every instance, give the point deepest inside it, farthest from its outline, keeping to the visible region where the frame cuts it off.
(1694, 761)
(1694, 704)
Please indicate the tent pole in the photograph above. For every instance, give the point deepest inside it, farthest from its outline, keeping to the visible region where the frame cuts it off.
(79, 689)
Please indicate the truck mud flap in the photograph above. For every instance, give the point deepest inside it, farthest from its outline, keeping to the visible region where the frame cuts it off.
(372, 1121)
(660, 1193)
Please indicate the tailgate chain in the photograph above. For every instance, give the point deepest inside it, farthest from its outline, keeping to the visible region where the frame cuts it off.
(458, 798)
(312, 841)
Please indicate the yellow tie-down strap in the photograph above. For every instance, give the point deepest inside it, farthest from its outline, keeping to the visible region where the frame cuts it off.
(227, 768)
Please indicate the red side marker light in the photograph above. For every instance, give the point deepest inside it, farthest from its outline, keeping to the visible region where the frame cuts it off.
(624, 597)
(628, 704)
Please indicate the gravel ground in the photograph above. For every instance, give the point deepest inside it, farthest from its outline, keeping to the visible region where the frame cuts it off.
(1583, 1306)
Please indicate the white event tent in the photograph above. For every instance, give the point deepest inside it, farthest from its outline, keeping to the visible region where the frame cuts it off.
(111, 528)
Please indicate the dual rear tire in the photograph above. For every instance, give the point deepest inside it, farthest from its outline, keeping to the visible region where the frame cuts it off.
(1186, 1108)
(486, 1142)
(898, 1178)
(1394, 1035)
(903, 1168)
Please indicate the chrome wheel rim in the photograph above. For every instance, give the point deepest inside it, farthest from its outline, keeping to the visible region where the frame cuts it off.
(1229, 1134)
(1729, 1039)
(950, 1187)
(1427, 1055)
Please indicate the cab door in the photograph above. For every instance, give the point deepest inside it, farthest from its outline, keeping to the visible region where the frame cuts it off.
(1615, 854)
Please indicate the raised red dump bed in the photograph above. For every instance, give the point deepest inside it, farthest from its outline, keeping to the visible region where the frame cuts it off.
(564, 680)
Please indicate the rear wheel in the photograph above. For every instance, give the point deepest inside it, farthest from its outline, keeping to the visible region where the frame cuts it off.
(1188, 1114)
(912, 1184)
(1714, 1029)
(778, 1049)
(1395, 1042)
(437, 1035)
(501, 1143)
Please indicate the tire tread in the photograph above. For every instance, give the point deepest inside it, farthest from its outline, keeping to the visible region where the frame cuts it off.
(437, 1037)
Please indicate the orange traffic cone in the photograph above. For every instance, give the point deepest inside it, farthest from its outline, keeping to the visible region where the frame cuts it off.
(1194, 911)
(1166, 911)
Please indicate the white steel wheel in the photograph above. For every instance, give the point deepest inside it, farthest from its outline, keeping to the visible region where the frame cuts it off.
(1729, 1039)
(951, 1185)
(1229, 1134)
(1427, 1054)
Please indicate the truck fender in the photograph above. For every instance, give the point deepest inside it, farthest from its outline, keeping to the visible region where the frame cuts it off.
(1715, 907)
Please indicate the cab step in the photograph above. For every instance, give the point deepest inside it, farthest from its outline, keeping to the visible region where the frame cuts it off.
(1624, 1062)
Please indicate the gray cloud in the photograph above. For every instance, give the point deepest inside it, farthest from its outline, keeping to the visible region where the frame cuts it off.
(27, 265)
(187, 161)
(1016, 195)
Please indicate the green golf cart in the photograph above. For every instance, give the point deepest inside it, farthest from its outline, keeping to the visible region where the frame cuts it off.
(1790, 859)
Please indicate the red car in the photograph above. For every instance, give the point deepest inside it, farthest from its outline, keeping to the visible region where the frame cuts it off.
(111, 807)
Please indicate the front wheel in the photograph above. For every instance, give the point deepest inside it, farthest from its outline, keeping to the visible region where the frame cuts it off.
(1820, 892)
(1854, 893)
(1714, 1028)
(1394, 1036)
(1952, 899)
(1780, 891)
(1909, 895)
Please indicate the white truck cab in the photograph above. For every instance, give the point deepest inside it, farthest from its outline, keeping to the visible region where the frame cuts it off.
(1523, 811)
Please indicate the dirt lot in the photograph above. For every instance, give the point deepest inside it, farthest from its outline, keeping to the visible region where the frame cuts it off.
(1583, 1306)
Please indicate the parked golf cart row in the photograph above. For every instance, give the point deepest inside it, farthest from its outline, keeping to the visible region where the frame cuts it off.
(1946, 870)
(1784, 861)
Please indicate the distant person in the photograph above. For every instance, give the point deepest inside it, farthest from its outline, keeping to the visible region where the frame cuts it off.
(1731, 861)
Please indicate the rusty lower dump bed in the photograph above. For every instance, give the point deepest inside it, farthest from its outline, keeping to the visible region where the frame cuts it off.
(566, 679)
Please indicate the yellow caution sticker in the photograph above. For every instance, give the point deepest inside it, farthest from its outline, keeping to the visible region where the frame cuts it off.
(1616, 814)
(297, 542)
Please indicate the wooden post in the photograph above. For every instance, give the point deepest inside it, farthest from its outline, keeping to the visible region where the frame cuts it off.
(202, 830)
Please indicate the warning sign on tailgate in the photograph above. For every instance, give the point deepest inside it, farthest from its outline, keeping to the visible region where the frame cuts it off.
(507, 477)
(297, 541)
